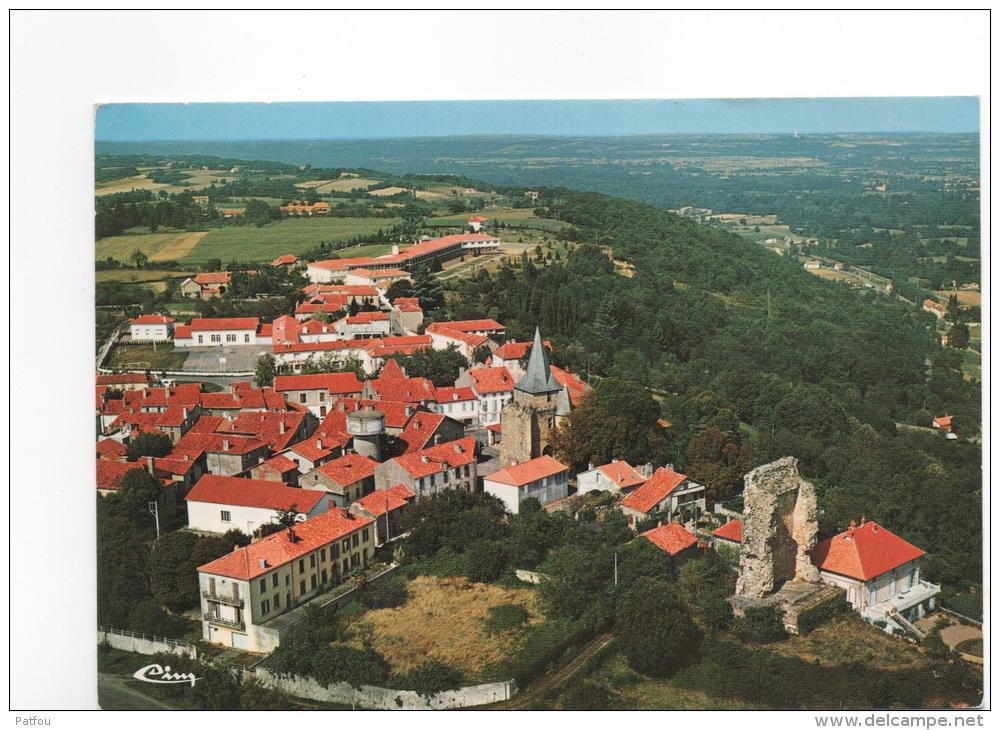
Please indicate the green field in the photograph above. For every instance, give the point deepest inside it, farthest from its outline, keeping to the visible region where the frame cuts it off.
(138, 276)
(972, 365)
(518, 217)
(121, 247)
(252, 244)
(134, 357)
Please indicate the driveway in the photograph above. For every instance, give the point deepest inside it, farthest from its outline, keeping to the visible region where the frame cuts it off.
(234, 358)
(114, 693)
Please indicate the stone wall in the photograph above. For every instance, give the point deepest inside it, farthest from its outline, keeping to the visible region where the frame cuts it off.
(140, 644)
(382, 698)
(779, 529)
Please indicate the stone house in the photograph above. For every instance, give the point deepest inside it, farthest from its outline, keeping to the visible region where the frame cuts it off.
(666, 493)
(543, 478)
(449, 465)
(344, 479)
(386, 507)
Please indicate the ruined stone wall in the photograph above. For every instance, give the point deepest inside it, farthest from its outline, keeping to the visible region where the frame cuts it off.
(779, 529)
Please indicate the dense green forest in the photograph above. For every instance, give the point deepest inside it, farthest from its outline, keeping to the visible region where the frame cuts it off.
(735, 340)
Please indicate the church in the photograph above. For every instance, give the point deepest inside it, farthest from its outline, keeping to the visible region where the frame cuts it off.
(539, 403)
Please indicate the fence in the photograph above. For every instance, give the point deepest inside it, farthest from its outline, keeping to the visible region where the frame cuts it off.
(142, 644)
(961, 617)
(383, 698)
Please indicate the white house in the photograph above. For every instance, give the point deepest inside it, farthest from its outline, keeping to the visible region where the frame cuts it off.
(363, 325)
(246, 593)
(458, 403)
(219, 504)
(880, 573)
(616, 477)
(543, 478)
(222, 332)
(494, 387)
(666, 493)
(151, 328)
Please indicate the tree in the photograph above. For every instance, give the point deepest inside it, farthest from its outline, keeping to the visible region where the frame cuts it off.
(452, 520)
(585, 695)
(654, 628)
(430, 677)
(384, 593)
(441, 367)
(213, 265)
(399, 288)
(719, 461)
(428, 289)
(265, 370)
(953, 307)
(761, 625)
(149, 443)
(577, 582)
(485, 561)
(138, 258)
(259, 213)
(122, 557)
(138, 488)
(958, 337)
(705, 585)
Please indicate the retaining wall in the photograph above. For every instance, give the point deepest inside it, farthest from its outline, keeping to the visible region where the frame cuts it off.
(141, 644)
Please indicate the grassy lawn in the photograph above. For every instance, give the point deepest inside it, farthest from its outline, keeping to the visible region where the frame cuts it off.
(169, 245)
(444, 619)
(343, 185)
(972, 365)
(965, 298)
(138, 276)
(165, 357)
(832, 275)
(253, 244)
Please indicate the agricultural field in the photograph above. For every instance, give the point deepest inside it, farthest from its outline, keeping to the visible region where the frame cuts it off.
(514, 217)
(831, 275)
(139, 276)
(965, 298)
(343, 185)
(196, 180)
(387, 192)
(252, 244)
(164, 245)
(445, 619)
(128, 184)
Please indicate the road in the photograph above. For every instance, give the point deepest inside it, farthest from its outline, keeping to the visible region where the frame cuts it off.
(114, 693)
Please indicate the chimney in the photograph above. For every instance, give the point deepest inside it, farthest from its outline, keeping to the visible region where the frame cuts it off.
(340, 406)
(409, 410)
(424, 459)
(186, 457)
(236, 548)
(291, 535)
(281, 425)
(149, 465)
(262, 563)
(319, 443)
(395, 249)
(437, 439)
(458, 448)
(185, 411)
(225, 444)
(331, 504)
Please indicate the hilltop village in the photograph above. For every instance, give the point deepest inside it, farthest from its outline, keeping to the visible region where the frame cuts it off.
(316, 469)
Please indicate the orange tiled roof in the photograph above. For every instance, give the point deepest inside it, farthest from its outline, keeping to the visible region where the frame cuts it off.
(382, 501)
(656, 488)
(438, 458)
(623, 474)
(525, 473)
(349, 469)
(732, 531)
(670, 537)
(491, 380)
(864, 552)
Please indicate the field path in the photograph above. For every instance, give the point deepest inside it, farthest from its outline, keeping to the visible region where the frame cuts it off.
(554, 679)
(179, 248)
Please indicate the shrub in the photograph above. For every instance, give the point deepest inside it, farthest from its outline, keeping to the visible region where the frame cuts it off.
(819, 614)
(585, 696)
(761, 625)
(654, 627)
(384, 593)
(485, 561)
(506, 616)
(430, 677)
(342, 663)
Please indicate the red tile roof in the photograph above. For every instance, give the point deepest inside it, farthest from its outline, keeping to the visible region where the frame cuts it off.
(656, 488)
(276, 550)
(864, 552)
(182, 332)
(217, 442)
(280, 463)
(732, 531)
(318, 447)
(368, 317)
(450, 395)
(396, 413)
(151, 319)
(623, 474)
(670, 537)
(349, 469)
(474, 325)
(438, 458)
(262, 493)
(110, 449)
(571, 382)
(418, 431)
(943, 422)
(491, 380)
(288, 258)
(213, 277)
(382, 501)
(407, 304)
(380, 273)
(516, 350)
(443, 330)
(224, 323)
(342, 264)
(267, 426)
(110, 473)
(520, 475)
(332, 383)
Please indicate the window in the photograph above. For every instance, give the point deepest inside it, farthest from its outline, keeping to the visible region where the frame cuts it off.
(313, 581)
(323, 574)
(302, 397)
(263, 585)
(246, 338)
(200, 339)
(346, 545)
(302, 586)
(364, 534)
(288, 580)
(322, 555)
(225, 516)
(322, 396)
(354, 540)
(312, 560)
(230, 338)
(264, 606)
(274, 580)
(302, 566)
(216, 338)
(345, 565)
(277, 601)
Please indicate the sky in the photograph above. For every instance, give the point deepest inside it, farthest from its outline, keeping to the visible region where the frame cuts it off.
(380, 120)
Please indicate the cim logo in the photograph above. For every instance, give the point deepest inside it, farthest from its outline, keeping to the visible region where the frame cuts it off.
(155, 674)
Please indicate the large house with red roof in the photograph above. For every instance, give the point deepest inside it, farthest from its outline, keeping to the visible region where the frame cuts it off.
(363, 325)
(544, 479)
(494, 387)
(206, 285)
(343, 479)
(151, 328)
(386, 507)
(880, 573)
(462, 404)
(448, 465)
(666, 493)
(222, 332)
(618, 477)
(674, 540)
(245, 593)
(318, 392)
(219, 504)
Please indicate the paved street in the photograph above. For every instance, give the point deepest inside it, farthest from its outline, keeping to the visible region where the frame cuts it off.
(114, 693)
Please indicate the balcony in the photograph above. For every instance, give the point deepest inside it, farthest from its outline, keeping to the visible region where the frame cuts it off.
(228, 600)
(221, 621)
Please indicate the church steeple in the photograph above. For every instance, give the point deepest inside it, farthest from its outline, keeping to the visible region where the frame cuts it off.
(538, 378)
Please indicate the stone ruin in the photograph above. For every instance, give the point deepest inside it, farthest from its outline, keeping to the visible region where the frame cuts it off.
(779, 534)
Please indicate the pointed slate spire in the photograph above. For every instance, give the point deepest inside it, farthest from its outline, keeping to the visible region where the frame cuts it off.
(538, 376)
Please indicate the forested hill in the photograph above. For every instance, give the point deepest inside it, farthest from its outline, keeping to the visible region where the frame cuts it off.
(745, 350)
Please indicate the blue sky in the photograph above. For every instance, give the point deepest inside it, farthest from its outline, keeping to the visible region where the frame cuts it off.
(376, 120)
